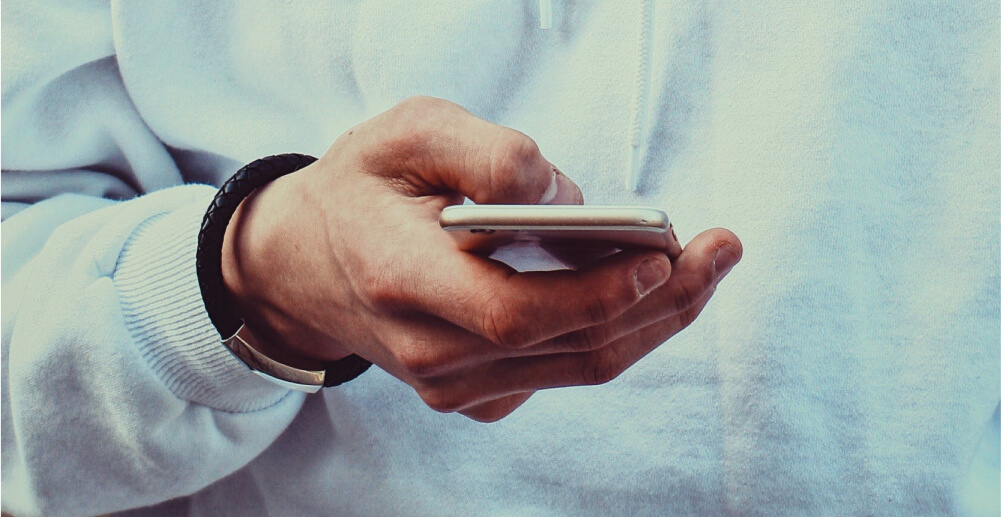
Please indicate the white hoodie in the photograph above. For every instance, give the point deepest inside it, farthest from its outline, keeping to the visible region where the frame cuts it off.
(848, 366)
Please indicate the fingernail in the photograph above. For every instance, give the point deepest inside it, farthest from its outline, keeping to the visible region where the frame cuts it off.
(675, 248)
(565, 191)
(650, 275)
(726, 257)
(551, 192)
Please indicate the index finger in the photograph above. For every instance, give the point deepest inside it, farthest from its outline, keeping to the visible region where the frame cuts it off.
(436, 145)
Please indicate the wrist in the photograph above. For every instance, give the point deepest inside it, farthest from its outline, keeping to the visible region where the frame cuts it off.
(258, 255)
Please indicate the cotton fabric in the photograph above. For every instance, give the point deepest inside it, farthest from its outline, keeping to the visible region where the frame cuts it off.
(849, 365)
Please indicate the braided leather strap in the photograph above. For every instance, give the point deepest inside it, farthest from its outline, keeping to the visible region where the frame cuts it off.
(208, 263)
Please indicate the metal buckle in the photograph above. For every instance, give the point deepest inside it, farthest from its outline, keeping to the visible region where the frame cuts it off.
(242, 344)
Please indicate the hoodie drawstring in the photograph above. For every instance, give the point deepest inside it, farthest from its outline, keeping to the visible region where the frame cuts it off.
(639, 109)
(637, 136)
(545, 14)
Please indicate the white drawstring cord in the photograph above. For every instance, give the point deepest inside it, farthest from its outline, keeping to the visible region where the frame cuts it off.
(639, 108)
(545, 14)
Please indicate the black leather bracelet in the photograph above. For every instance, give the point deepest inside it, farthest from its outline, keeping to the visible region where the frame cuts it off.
(218, 303)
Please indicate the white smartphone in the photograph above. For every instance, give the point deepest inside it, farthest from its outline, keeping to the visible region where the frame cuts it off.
(575, 232)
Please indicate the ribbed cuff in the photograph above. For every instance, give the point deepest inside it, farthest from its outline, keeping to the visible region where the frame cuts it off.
(163, 310)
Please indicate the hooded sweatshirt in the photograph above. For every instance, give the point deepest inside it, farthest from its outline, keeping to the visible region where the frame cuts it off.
(848, 366)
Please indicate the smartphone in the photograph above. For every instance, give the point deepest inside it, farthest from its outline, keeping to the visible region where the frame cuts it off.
(574, 233)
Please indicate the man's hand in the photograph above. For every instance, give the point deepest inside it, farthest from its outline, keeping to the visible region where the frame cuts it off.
(346, 256)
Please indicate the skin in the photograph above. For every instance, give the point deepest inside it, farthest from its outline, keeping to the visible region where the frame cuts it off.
(318, 278)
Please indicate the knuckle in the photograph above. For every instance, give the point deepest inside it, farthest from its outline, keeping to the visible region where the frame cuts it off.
(583, 340)
(687, 317)
(601, 366)
(442, 400)
(598, 310)
(488, 416)
(496, 409)
(381, 290)
(593, 338)
(512, 154)
(407, 128)
(519, 147)
(686, 296)
(502, 327)
(419, 360)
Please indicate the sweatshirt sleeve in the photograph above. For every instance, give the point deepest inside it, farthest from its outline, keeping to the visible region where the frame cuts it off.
(116, 392)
